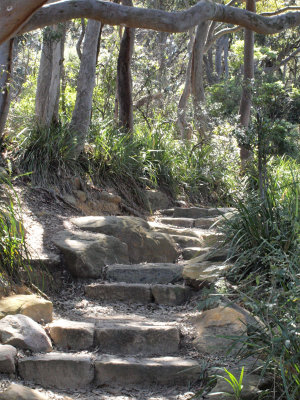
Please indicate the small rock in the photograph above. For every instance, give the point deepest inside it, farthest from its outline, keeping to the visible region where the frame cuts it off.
(19, 392)
(157, 199)
(24, 333)
(81, 195)
(7, 359)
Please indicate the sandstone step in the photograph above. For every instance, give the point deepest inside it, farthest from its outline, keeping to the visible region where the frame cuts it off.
(187, 241)
(183, 222)
(205, 223)
(200, 212)
(137, 338)
(139, 293)
(145, 273)
(172, 230)
(58, 370)
(168, 212)
(116, 337)
(190, 252)
(139, 371)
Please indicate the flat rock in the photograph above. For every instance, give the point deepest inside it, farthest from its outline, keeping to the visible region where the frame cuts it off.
(127, 292)
(145, 273)
(20, 392)
(111, 370)
(219, 321)
(171, 295)
(22, 332)
(180, 222)
(187, 241)
(173, 230)
(136, 338)
(143, 245)
(191, 252)
(37, 308)
(85, 254)
(7, 359)
(58, 370)
(167, 211)
(205, 223)
(200, 212)
(72, 335)
(198, 273)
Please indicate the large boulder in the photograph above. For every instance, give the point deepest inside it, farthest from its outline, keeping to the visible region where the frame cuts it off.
(24, 333)
(20, 392)
(7, 359)
(37, 308)
(212, 327)
(85, 253)
(143, 245)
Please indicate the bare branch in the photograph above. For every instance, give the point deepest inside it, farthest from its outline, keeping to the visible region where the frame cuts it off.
(159, 20)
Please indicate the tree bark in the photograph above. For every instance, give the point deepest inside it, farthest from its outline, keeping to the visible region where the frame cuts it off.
(48, 85)
(246, 99)
(159, 20)
(182, 105)
(124, 77)
(197, 77)
(6, 65)
(81, 117)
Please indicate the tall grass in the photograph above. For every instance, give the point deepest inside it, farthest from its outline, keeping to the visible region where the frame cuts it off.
(13, 251)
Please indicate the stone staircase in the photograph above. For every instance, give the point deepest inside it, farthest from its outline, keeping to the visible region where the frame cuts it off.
(127, 351)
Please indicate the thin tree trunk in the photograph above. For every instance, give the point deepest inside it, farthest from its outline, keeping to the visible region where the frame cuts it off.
(182, 105)
(6, 65)
(48, 86)
(197, 77)
(226, 48)
(124, 77)
(246, 100)
(81, 117)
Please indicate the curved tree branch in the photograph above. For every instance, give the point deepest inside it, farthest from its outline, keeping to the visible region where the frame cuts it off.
(114, 14)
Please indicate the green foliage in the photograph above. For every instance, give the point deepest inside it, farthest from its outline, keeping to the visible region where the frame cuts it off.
(48, 154)
(236, 385)
(13, 251)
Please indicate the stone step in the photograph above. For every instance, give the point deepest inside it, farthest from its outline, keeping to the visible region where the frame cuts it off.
(145, 273)
(183, 222)
(190, 252)
(168, 212)
(116, 337)
(139, 293)
(139, 371)
(187, 241)
(58, 370)
(200, 212)
(78, 371)
(172, 230)
(205, 223)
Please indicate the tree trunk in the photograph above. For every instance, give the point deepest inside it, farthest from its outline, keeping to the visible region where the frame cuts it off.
(181, 111)
(124, 77)
(197, 77)
(246, 100)
(6, 65)
(48, 85)
(81, 117)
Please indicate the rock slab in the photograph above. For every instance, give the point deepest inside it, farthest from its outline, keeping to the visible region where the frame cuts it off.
(24, 333)
(85, 254)
(37, 308)
(58, 370)
(72, 335)
(110, 370)
(7, 359)
(20, 392)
